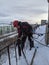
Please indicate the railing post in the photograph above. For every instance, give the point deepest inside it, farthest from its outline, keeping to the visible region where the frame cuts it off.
(15, 52)
(0, 59)
(9, 55)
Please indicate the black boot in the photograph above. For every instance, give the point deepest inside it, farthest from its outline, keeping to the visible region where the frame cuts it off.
(31, 45)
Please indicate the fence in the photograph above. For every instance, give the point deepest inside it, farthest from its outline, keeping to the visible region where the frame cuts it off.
(9, 41)
(6, 29)
(5, 42)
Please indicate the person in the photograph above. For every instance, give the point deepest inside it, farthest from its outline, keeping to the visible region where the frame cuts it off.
(24, 31)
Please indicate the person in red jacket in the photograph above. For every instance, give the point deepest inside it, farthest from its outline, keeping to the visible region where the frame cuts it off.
(24, 31)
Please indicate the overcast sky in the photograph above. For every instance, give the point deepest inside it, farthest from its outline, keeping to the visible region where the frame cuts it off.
(25, 10)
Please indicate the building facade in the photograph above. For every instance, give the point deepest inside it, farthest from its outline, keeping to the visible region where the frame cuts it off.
(43, 22)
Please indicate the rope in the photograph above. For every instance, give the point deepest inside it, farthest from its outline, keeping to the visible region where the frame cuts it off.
(41, 43)
(40, 34)
(25, 57)
(33, 56)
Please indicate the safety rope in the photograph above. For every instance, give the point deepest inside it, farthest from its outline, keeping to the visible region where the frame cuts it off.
(41, 43)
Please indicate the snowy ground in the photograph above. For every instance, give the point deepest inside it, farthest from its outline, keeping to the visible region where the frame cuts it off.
(41, 57)
(21, 60)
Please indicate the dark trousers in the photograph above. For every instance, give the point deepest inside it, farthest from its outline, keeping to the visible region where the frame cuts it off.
(21, 43)
(19, 47)
(30, 40)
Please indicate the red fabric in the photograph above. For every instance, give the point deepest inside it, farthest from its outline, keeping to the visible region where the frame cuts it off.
(15, 23)
(19, 32)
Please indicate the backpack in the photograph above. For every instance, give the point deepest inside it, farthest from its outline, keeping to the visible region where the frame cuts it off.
(26, 28)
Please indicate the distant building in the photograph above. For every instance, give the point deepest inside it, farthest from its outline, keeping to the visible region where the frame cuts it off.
(6, 29)
(44, 22)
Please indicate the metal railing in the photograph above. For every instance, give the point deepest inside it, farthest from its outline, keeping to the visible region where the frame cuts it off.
(6, 29)
(5, 42)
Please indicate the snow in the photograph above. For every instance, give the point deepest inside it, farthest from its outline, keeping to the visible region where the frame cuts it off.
(29, 55)
(20, 61)
(10, 35)
(41, 57)
(41, 29)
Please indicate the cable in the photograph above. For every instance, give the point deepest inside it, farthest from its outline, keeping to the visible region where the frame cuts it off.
(42, 38)
(41, 43)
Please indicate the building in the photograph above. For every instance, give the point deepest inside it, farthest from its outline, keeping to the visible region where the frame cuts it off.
(43, 22)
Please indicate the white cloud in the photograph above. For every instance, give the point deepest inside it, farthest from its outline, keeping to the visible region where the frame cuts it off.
(23, 9)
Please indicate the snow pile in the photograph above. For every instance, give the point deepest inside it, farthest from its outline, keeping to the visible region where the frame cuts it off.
(41, 29)
(42, 55)
(41, 39)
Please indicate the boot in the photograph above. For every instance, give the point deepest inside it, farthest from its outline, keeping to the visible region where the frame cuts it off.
(31, 45)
